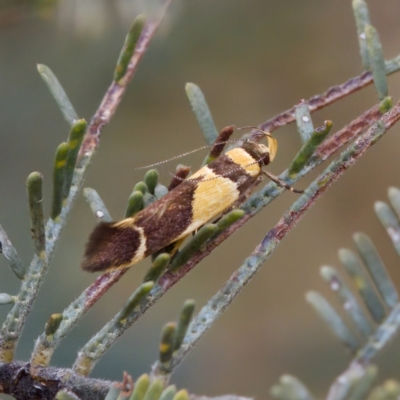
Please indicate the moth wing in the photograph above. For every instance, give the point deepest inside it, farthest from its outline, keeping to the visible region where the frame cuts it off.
(113, 245)
(211, 198)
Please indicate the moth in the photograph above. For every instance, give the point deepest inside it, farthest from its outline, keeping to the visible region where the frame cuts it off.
(202, 197)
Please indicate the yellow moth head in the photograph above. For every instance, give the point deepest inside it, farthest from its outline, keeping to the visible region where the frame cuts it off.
(260, 152)
(273, 147)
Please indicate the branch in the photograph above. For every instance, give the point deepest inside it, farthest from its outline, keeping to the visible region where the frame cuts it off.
(16, 380)
(319, 101)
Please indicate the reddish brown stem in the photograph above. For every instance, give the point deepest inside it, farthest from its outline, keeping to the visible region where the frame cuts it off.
(315, 103)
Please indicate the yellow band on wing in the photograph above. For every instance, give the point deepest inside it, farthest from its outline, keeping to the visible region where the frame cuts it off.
(245, 160)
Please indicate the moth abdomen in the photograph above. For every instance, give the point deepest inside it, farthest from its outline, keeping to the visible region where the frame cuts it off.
(112, 246)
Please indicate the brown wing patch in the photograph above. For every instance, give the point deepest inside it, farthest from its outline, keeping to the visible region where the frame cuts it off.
(165, 220)
(111, 246)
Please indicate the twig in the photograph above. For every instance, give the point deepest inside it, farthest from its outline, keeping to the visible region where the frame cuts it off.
(45, 346)
(322, 100)
(10, 253)
(95, 348)
(16, 380)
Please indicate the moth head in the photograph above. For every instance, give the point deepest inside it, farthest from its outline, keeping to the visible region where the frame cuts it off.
(260, 152)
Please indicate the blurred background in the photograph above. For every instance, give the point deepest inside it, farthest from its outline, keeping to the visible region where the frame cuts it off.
(252, 59)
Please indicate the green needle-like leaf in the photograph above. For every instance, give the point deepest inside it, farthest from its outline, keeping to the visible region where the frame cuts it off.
(349, 302)
(135, 204)
(129, 47)
(184, 321)
(390, 390)
(148, 199)
(75, 138)
(157, 268)
(6, 298)
(59, 179)
(141, 387)
(376, 268)
(363, 386)
(290, 388)
(361, 15)
(11, 255)
(155, 390)
(167, 342)
(58, 93)
(394, 198)
(229, 219)
(390, 222)
(97, 205)
(182, 395)
(168, 393)
(304, 122)
(333, 320)
(309, 147)
(134, 300)
(355, 269)
(35, 199)
(151, 180)
(204, 233)
(377, 61)
(160, 191)
(141, 187)
(202, 112)
(385, 105)
(113, 393)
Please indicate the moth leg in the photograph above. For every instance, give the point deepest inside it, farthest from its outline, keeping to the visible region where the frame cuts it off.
(281, 183)
(171, 249)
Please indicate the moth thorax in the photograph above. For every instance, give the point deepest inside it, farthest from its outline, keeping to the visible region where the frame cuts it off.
(258, 151)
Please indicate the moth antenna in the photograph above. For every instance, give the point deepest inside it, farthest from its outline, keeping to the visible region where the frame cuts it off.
(187, 153)
(281, 183)
(172, 158)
